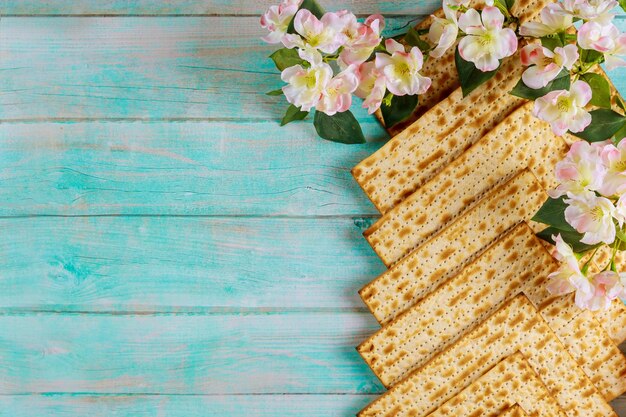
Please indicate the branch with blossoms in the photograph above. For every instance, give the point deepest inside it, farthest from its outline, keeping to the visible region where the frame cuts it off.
(327, 58)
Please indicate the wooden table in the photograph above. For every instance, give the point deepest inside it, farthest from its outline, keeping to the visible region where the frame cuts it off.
(167, 249)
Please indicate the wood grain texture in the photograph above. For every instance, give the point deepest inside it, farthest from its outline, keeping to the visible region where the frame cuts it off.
(272, 353)
(195, 7)
(141, 68)
(182, 264)
(199, 168)
(184, 405)
(236, 295)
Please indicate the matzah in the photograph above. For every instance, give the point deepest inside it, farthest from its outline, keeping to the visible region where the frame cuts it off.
(515, 411)
(517, 263)
(504, 270)
(413, 156)
(442, 71)
(520, 141)
(509, 385)
(446, 253)
(517, 326)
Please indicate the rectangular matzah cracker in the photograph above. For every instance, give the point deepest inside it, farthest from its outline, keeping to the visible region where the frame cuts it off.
(516, 261)
(515, 411)
(517, 326)
(442, 71)
(520, 141)
(446, 253)
(504, 387)
(435, 139)
(589, 344)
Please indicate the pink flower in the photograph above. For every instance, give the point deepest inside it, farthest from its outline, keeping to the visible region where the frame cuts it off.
(605, 287)
(581, 170)
(611, 57)
(568, 278)
(306, 85)
(620, 209)
(324, 34)
(486, 41)
(593, 35)
(565, 110)
(546, 65)
(614, 159)
(553, 20)
(401, 69)
(372, 87)
(277, 18)
(443, 32)
(593, 216)
(337, 96)
(361, 38)
(598, 10)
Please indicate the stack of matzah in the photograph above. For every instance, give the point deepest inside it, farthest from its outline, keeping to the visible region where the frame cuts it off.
(468, 326)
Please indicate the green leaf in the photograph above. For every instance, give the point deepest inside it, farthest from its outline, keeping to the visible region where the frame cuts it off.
(278, 92)
(470, 77)
(552, 41)
(312, 6)
(293, 113)
(552, 213)
(619, 135)
(620, 102)
(600, 88)
(604, 124)
(285, 58)
(561, 82)
(509, 4)
(412, 38)
(340, 127)
(571, 238)
(589, 56)
(398, 109)
(620, 234)
(622, 4)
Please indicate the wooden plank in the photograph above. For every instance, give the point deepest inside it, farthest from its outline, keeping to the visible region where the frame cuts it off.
(183, 405)
(140, 68)
(183, 263)
(143, 68)
(272, 353)
(195, 7)
(198, 168)
(194, 405)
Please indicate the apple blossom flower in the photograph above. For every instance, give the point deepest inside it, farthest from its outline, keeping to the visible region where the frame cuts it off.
(614, 159)
(553, 20)
(325, 34)
(487, 41)
(372, 87)
(361, 38)
(597, 10)
(565, 110)
(601, 38)
(337, 95)
(605, 287)
(546, 65)
(443, 32)
(581, 170)
(620, 209)
(593, 216)
(305, 85)
(277, 18)
(611, 59)
(568, 278)
(401, 69)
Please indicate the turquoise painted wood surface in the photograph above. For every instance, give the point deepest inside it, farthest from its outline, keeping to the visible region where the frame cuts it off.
(165, 248)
